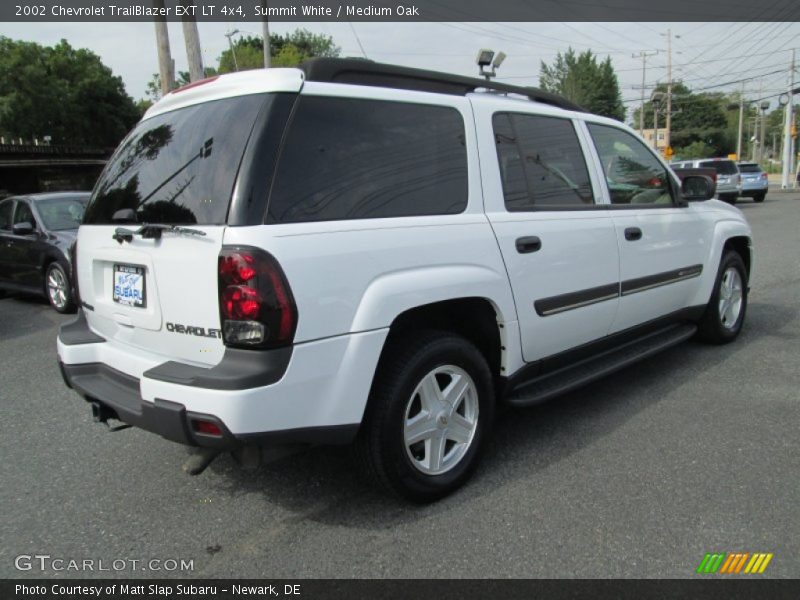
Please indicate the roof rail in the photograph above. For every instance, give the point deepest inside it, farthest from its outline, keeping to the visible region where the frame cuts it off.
(360, 71)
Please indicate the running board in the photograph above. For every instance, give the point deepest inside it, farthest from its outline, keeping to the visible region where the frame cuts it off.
(574, 376)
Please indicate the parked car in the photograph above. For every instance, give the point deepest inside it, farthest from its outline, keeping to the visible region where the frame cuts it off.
(353, 252)
(729, 180)
(755, 182)
(36, 232)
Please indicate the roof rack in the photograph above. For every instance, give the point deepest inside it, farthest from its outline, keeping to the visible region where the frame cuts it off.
(360, 71)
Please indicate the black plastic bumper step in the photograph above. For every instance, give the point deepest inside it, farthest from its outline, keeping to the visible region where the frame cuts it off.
(574, 376)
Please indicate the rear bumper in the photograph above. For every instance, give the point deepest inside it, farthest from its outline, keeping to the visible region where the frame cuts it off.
(755, 187)
(312, 393)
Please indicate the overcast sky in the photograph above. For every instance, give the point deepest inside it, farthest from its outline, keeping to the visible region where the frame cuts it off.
(706, 55)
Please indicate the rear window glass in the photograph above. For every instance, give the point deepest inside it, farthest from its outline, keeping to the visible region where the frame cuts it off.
(347, 158)
(723, 167)
(179, 167)
(749, 169)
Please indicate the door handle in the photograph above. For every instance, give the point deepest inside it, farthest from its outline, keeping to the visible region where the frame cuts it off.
(526, 245)
(633, 233)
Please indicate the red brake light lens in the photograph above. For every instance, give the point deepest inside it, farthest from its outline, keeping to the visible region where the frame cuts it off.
(257, 309)
(207, 428)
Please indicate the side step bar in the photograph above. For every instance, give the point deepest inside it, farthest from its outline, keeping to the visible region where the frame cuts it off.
(574, 376)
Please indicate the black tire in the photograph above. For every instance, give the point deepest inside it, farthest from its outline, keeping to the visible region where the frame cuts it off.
(729, 198)
(55, 270)
(380, 445)
(759, 197)
(712, 329)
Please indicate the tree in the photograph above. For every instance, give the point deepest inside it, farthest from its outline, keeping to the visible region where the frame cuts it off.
(580, 78)
(63, 92)
(287, 50)
(695, 118)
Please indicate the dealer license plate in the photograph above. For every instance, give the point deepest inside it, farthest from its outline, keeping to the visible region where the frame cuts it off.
(129, 286)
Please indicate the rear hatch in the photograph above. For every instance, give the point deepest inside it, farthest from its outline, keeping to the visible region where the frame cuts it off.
(148, 249)
(727, 173)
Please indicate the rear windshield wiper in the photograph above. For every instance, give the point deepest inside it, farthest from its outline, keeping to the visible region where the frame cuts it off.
(152, 231)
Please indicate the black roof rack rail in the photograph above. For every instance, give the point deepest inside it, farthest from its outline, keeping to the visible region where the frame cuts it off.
(360, 71)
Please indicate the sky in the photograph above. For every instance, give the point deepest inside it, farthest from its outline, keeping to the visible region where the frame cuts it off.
(712, 56)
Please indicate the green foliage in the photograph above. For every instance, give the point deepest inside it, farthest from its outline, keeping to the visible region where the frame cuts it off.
(697, 149)
(63, 92)
(695, 118)
(287, 50)
(580, 78)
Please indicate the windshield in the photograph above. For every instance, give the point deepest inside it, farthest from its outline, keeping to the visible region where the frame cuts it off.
(178, 168)
(749, 168)
(723, 167)
(60, 214)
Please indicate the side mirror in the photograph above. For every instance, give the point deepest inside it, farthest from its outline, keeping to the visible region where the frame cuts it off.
(698, 187)
(23, 228)
(124, 215)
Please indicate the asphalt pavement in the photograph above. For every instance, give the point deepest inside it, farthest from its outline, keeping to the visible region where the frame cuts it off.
(639, 475)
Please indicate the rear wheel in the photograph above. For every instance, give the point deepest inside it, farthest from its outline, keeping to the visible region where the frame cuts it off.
(429, 413)
(58, 288)
(724, 315)
(759, 197)
(729, 198)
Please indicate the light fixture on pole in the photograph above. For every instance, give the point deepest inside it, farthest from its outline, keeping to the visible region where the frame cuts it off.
(488, 58)
(229, 35)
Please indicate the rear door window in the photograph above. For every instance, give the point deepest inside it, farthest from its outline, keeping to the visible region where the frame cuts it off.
(178, 167)
(541, 163)
(348, 158)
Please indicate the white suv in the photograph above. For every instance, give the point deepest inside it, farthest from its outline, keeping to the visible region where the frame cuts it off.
(357, 252)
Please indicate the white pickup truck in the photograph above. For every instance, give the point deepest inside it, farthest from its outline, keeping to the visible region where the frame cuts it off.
(352, 252)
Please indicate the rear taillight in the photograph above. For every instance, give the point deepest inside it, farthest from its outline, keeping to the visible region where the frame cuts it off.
(764, 176)
(73, 259)
(256, 305)
(738, 179)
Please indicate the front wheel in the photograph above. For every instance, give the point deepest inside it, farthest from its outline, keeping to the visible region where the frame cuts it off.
(724, 315)
(58, 288)
(429, 413)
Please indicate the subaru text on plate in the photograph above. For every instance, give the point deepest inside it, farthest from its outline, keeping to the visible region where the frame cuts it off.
(352, 252)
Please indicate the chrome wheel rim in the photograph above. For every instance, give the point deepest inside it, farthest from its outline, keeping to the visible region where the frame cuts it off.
(57, 288)
(441, 418)
(730, 298)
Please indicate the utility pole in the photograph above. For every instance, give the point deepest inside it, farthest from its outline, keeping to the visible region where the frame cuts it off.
(788, 141)
(668, 132)
(166, 66)
(741, 123)
(265, 35)
(643, 55)
(192, 40)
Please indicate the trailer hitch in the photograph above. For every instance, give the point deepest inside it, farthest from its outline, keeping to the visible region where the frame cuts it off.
(101, 414)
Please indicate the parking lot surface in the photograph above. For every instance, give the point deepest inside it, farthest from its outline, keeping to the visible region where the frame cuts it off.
(639, 475)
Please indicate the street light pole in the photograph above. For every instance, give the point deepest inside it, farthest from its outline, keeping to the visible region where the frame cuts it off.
(265, 35)
(741, 124)
(229, 35)
(643, 55)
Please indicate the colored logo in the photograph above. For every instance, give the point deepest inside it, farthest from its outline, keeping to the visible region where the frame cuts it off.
(735, 563)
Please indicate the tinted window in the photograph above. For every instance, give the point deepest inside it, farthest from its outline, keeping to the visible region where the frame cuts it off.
(178, 167)
(723, 167)
(61, 213)
(541, 162)
(749, 169)
(634, 175)
(5, 214)
(24, 214)
(360, 159)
